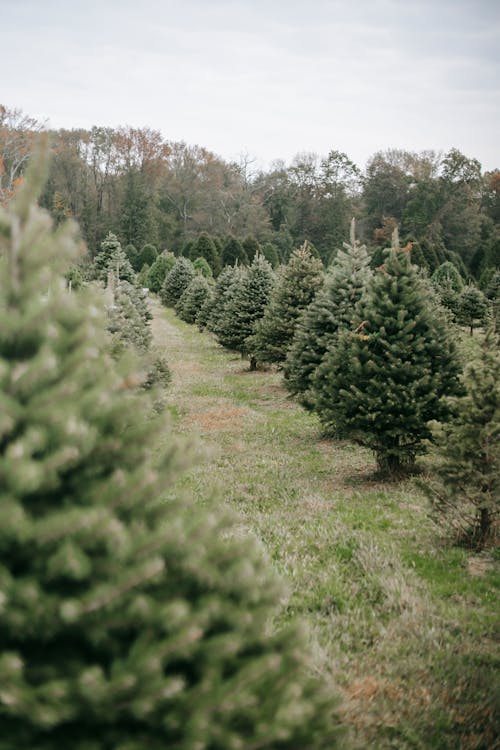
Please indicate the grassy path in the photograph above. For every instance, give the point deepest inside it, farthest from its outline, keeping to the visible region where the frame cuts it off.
(404, 625)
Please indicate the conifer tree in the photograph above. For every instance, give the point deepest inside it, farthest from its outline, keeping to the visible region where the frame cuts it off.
(384, 379)
(245, 307)
(202, 268)
(472, 307)
(211, 313)
(126, 621)
(129, 318)
(112, 258)
(176, 281)
(270, 253)
(466, 492)
(192, 299)
(331, 310)
(158, 271)
(251, 247)
(205, 248)
(148, 255)
(295, 288)
(233, 253)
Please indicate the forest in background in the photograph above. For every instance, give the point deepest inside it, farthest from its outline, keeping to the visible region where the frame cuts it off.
(150, 191)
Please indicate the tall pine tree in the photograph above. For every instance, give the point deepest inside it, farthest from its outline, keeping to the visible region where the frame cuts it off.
(466, 493)
(296, 286)
(384, 379)
(331, 310)
(245, 306)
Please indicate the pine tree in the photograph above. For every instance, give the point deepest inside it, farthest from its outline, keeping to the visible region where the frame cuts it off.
(331, 310)
(472, 307)
(383, 380)
(466, 492)
(129, 318)
(233, 253)
(127, 620)
(202, 268)
(492, 293)
(176, 281)
(211, 313)
(296, 286)
(192, 299)
(245, 307)
(251, 247)
(448, 272)
(158, 271)
(148, 255)
(270, 253)
(112, 258)
(205, 248)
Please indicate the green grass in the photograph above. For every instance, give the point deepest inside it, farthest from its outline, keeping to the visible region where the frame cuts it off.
(404, 624)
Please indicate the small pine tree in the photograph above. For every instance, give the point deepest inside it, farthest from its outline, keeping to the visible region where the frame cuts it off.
(233, 253)
(131, 252)
(295, 289)
(245, 307)
(205, 248)
(332, 310)
(126, 621)
(192, 299)
(447, 273)
(129, 318)
(492, 293)
(112, 258)
(472, 307)
(251, 247)
(466, 492)
(159, 270)
(212, 311)
(270, 253)
(147, 256)
(383, 380)
(202, 268)
(176, 281)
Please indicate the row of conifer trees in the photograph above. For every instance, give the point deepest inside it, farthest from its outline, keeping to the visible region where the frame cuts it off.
(130, 617)
(372, 351)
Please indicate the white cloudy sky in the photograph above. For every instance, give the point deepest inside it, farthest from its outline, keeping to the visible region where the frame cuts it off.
(266, 77)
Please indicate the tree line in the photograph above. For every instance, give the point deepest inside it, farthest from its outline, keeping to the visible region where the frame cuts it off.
(151, 191)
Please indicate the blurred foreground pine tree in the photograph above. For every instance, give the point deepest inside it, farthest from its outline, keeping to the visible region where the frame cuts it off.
(128, 620)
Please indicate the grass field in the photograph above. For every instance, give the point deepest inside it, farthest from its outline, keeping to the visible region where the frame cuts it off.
(403, 624)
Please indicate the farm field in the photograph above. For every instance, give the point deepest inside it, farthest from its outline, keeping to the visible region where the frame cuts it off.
(403, 625)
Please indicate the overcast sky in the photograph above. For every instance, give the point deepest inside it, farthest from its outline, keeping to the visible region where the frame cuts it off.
(265, 77)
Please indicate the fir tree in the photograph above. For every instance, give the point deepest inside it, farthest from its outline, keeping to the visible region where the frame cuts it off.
(126, 621)
(245, 307)
(383, 380)
(448, 273)
(472, 307)
(212, 311)
(158, 271)
(466, 493)
(251, 247)
(270, 253)
(296, 286)
(147, 256)
(112, 258)
(233, 253)
(492, 293)
(202, 268)
(129, 318)
(331, 310)
(192, 299)
(205, 248)
(176, 281)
